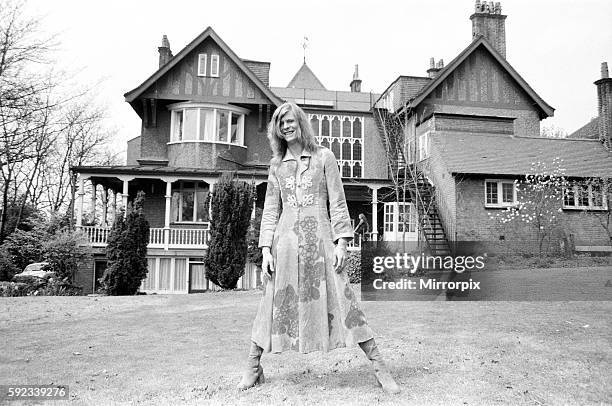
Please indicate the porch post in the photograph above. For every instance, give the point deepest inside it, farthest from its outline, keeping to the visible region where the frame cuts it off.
(211, 187)
(168, 211)
(81, 193)
(114, 205)
(124, 196)
(374, 213)
(104, 221)
(94, 186)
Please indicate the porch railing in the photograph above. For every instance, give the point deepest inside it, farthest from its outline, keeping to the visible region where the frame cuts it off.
(176, 237)
(158, 237)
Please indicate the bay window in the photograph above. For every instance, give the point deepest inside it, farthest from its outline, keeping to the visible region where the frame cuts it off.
(199, 122)
(189, 202)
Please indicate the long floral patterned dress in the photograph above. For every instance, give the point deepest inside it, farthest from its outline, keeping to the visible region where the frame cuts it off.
(306, 306)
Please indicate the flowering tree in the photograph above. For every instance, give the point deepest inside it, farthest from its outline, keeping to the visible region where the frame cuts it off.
(539, 200)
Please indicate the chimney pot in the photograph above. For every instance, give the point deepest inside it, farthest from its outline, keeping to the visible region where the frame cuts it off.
(490, 23)
(165, 54)
(604, 70)
(356, 82)
(432, 63)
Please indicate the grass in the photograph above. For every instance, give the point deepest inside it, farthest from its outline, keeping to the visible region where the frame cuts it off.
(189, 349)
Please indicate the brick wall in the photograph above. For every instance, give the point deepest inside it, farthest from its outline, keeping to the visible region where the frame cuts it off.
(85, 274)
(133, 151)
(154, 209)
(153, 143)
(445, 190)
(474, 222)
(374, 155)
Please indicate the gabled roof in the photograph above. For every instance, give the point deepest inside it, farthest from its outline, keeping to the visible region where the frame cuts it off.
(208, 33)
(589, 130)
(545, 109)
(306, 79)
(496, 154)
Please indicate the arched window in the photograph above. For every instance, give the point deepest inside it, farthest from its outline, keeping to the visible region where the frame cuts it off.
(346, 128)
(357, 151)
(325, 143)
(314, 122)
(335, 127)
(325, 127)
(346, 170)
(336, 148)
(346, 150)
(357, 128)
(357, 170)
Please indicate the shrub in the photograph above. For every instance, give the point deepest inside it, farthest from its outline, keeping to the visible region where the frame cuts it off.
(59, 287)
(7, 267)
(64, 252)
(126, 251)
(253, 251)
(232, 203)
(25, 247)
(13, 289)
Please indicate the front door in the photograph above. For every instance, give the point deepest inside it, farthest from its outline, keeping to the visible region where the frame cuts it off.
(400, 222)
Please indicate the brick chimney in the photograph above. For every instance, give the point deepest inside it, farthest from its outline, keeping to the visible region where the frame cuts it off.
(165, 54)
(489, 22)
(356, 82)
(434, 67)
(604, 106)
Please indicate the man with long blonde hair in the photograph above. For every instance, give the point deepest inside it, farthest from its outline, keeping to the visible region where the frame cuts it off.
(307, 304)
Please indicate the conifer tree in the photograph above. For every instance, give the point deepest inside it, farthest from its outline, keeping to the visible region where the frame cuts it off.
(126, 251)
(232, 203)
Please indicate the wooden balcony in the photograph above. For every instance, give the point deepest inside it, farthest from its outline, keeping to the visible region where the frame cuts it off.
(166, 238)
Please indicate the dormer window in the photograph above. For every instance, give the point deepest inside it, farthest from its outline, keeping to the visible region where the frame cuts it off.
(200, 122)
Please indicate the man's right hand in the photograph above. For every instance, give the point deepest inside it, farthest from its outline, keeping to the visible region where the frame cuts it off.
(267, 263)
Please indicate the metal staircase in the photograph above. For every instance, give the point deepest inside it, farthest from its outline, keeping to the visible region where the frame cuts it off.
(391, 133)
(421, 190)
(429, 218)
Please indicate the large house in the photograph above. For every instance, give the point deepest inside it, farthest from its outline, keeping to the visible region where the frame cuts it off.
(472, 127)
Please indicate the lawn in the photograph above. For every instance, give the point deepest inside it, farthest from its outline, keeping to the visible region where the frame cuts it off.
(189, 349)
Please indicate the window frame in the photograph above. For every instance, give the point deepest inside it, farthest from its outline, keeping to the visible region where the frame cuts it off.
(181, 190)
(576, 188)
(424, 152)
(202, 72)
(500, 193)
(212, 135)
(214, 65)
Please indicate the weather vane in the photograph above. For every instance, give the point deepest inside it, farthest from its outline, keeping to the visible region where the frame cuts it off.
(305, 45)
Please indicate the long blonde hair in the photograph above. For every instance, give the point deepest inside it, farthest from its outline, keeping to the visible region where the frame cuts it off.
(305, 136)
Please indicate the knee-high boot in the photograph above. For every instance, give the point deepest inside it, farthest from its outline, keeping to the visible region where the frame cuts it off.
(380, 369)
(253, 373)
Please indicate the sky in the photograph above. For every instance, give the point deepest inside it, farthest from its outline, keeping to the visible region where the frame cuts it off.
(556, 46)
